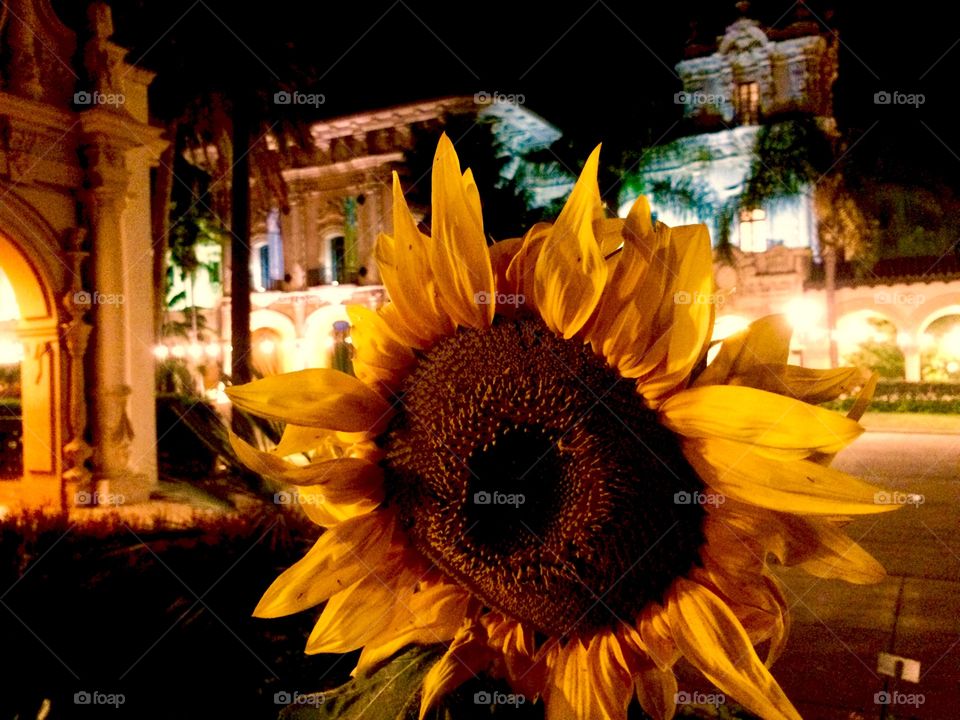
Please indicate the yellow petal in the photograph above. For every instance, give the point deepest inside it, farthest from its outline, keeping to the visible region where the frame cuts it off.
(319, 397)
(806, 384)
(322, 510)
(823, 550)
(298, 439)
(343, 476)
(467, 656)
(353, 616)
(373, 342)
(863, 400)
(570, 271)
(621, 328)
(509, 296)
(380, 360)
(521, 272)
(764, 342)
(656, 691)
(755, 416)
(432, 615)
(714, 641)
(343, 555)
(689, 303)
(611, 682)
(458, 251)
(797, 486)
(403, 260)
(656, 636)
(571, 687)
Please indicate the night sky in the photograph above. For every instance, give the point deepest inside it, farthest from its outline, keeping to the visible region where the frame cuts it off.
(600, 70)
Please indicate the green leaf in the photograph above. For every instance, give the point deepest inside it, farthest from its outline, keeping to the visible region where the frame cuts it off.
(392, 692)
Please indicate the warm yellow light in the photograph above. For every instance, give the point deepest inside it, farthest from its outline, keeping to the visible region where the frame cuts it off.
(267, 347)
(804, 314)
(9, 310)
(212, 349)
(726, 325)
(950, 342)
(11, 352)
(161, 352)
(178, 351)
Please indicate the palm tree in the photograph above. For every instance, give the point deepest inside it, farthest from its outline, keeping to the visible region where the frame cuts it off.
(806, 156)
(220, 68)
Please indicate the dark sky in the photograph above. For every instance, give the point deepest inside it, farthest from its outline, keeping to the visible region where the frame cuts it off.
(596, 68)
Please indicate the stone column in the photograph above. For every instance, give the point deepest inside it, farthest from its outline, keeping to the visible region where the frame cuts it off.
(911, 356)
(311, 237)
(40, 371)
(104, 201)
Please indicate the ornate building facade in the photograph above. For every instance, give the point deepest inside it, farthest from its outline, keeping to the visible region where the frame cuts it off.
(76, 150)
(754, 76)
(309, 263)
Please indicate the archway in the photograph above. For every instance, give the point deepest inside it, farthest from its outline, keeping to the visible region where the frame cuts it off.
(870, 339)
(32, 337)
(940, 346)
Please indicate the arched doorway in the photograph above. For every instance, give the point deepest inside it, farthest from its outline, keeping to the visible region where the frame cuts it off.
(11, 355)
(31, 336)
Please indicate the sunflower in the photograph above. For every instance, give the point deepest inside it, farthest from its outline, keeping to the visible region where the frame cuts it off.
(536, 466)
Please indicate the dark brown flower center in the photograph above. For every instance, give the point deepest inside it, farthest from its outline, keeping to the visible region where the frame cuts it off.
(534, 475)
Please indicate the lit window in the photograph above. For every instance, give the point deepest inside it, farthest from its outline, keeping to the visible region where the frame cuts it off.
(748, 103)
(753, 230)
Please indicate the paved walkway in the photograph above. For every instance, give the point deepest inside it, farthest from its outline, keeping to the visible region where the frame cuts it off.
(829, 668)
